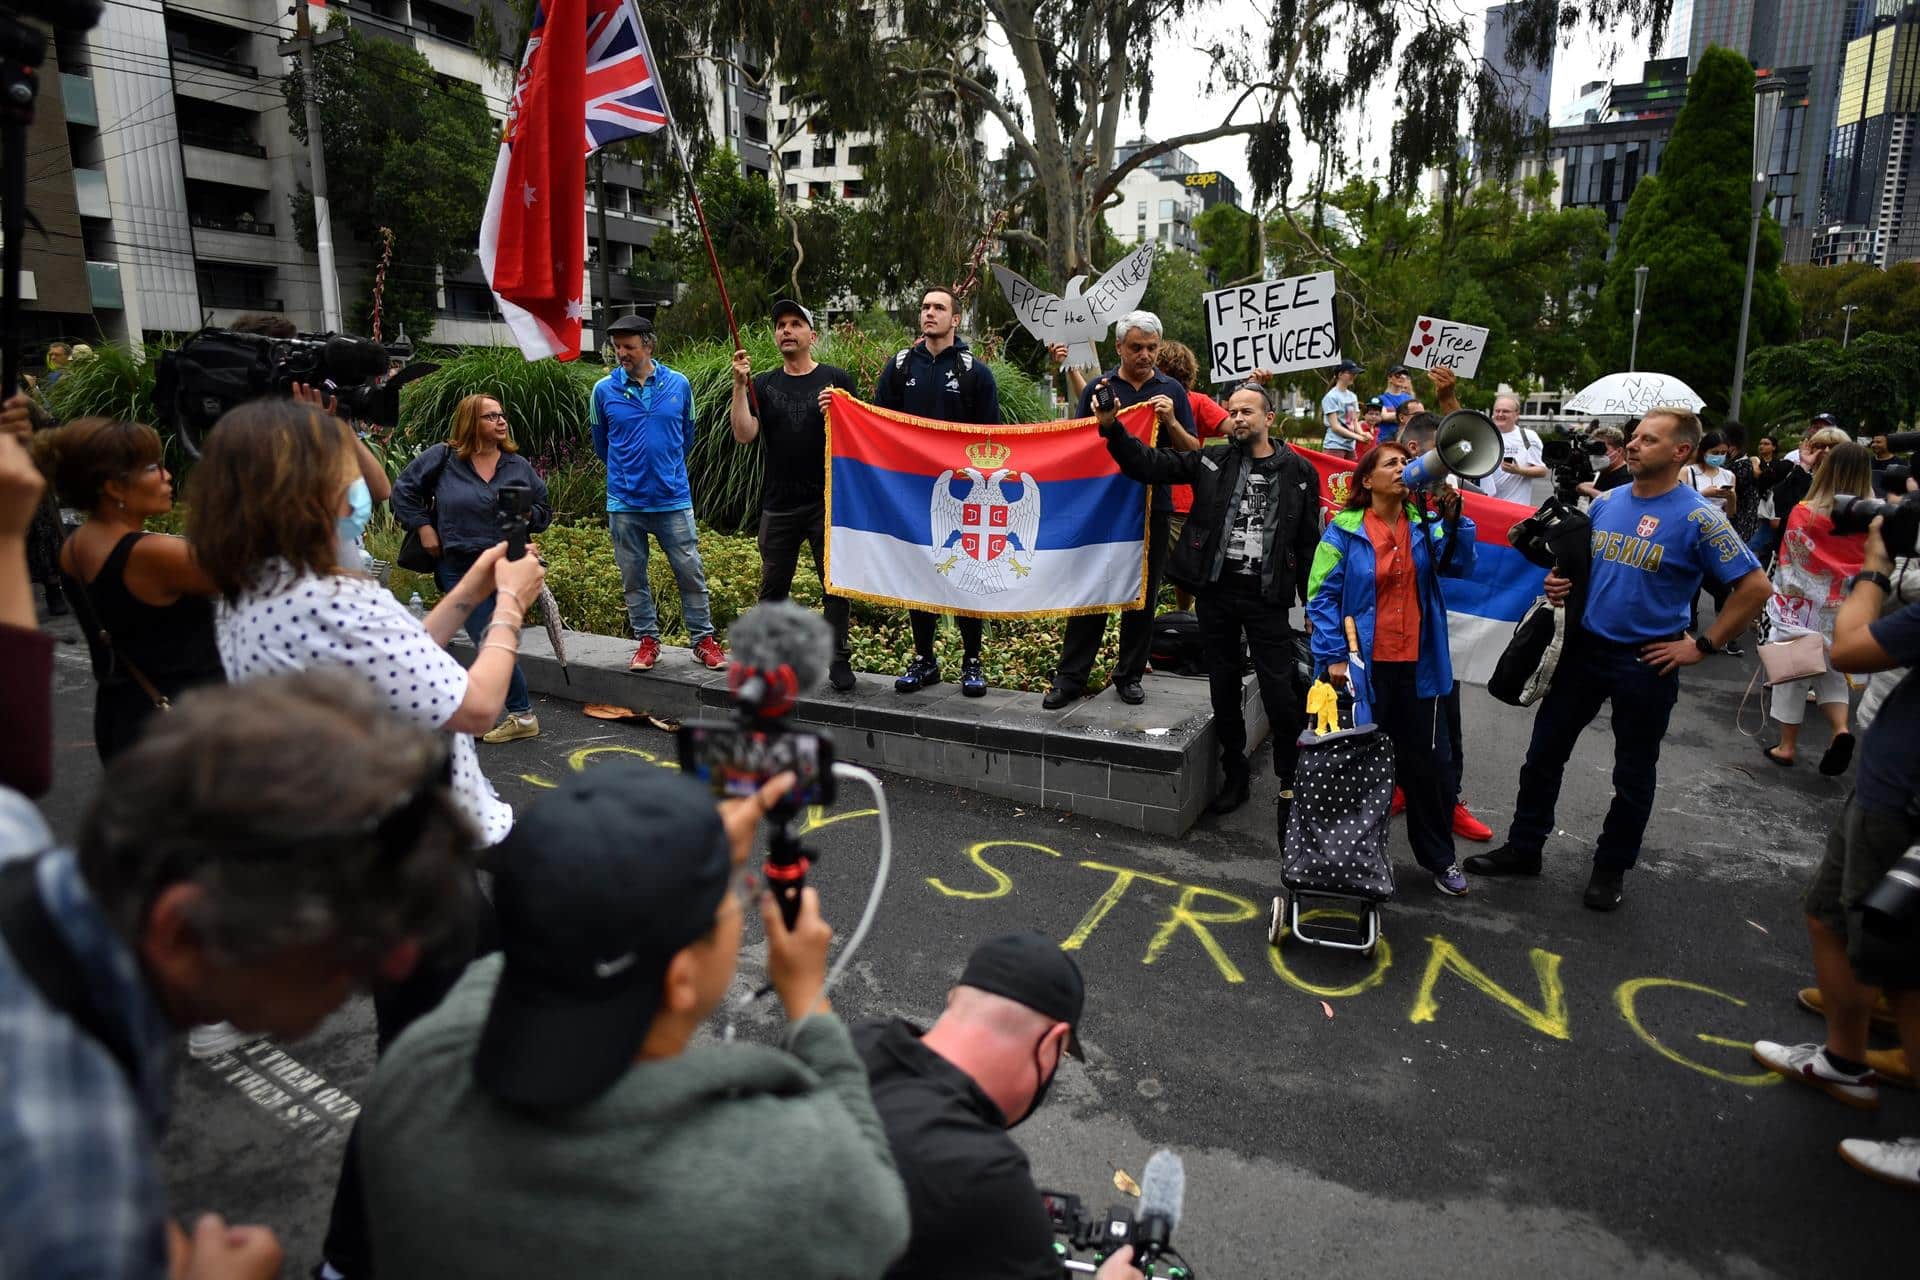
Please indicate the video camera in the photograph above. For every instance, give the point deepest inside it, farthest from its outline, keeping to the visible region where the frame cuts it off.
(1163, 1187)
(1573, 463)
(1900, 529)
(216, 369)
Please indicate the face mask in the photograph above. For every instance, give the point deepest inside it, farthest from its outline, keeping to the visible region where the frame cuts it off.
(1040, 1094)
(1716, 459)
(354, 523)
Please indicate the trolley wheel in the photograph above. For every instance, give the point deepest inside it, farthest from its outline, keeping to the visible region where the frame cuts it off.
(1277, 921)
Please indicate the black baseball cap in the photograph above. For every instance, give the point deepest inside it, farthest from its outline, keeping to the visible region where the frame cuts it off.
(596, 889)
(1397, 369)
(788, 307)
(1347, 366)
(1827, 419)
(631, 324)
(1029, 969)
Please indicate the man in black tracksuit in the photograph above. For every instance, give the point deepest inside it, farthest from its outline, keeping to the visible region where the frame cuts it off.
(937, 377)
(1245, 553)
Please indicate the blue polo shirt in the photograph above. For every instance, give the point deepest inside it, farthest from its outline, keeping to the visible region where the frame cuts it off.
(643, 433)
(1125, 394)
(1649, 558)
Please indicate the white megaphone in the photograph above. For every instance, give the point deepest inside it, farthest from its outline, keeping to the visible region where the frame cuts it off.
(1466, 445)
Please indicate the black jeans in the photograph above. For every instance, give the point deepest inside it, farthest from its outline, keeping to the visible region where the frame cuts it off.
(1593, 671)
(395, 1008)
(1453, 739)
(782, 534)
(924, 625)
(1422, 758)
(1225, 611)
(1082, 642)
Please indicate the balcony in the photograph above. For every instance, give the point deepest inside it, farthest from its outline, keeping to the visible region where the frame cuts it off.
(90, 193)
(215, 60)
(245, 224)
(103, 283)
(237, 144)
(77, 93)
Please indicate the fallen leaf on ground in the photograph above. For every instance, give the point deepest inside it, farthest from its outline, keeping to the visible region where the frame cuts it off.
(1125, 1184)
(1762, 928)
(607, 711)
(1326, 1008)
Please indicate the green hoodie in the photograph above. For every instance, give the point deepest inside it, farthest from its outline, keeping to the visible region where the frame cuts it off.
(729, 1160)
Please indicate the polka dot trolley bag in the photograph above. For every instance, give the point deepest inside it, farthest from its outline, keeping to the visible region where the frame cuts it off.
(1337, 831)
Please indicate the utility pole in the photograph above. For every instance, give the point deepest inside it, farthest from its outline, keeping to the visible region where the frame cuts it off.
(1846, 334)
(301, 46)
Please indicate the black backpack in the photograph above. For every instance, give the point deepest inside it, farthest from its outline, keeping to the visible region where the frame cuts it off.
(968, 377)
(1175, 645)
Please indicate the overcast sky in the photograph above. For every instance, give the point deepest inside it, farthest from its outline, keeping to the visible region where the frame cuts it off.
(1180, 63)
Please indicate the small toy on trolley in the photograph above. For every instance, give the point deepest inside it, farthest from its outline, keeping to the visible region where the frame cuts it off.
(1334, 865)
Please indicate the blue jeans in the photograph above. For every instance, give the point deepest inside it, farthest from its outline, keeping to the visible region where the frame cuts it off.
(1761, 543)
(674, 530)
(447, 573)
(1593, 671)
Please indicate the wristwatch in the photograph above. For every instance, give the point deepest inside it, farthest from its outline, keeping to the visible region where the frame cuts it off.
(1705, 645)
(1874, 576)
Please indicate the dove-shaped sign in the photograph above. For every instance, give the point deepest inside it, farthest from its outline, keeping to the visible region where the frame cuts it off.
(1079, 320)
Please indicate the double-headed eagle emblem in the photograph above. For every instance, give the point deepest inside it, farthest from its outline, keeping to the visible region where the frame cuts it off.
(979, 539)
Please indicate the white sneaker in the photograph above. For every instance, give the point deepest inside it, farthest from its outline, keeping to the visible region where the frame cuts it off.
(1897, 1162)
(210, 1040)
(1808, 1064)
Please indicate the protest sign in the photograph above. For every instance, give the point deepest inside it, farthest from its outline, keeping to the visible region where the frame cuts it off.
(1443, 344)
(1078, 320)
(1275, 325)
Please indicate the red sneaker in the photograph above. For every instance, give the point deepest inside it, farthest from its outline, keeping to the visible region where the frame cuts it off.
(1468, 827)
(646, 655)
(1399, 803)
(708, 653)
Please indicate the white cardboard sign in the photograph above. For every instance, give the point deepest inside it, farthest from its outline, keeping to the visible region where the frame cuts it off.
(1446, 344)
(1078, 320)
(1275, 325)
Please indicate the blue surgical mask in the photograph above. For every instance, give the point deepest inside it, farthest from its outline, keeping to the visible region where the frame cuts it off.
(352, 525)
(1716, 459)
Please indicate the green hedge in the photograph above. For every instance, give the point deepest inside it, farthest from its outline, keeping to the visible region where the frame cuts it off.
(586, 586)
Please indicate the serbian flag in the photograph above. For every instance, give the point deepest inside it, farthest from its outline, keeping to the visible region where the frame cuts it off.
(1029, 521)
(1481, 609)
(587, 80)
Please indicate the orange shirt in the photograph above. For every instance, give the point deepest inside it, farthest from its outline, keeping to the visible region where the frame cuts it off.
(1396, 604)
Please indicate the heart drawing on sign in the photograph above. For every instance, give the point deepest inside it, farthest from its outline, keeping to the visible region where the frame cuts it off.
(1425, 325)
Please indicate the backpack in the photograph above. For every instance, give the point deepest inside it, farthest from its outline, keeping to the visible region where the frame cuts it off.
(1175, 644)
(1521, 676)
(968, 379)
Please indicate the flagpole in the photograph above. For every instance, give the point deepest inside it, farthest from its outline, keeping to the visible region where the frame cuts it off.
(693, 190)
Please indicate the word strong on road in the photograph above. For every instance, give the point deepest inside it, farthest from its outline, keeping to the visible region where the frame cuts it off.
(1276, 325)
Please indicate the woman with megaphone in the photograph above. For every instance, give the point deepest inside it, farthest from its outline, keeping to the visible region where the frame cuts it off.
(1379, 564)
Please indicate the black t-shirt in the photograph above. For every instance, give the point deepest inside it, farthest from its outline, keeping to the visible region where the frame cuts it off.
(1613, 478)
(970, 1195)
(794, 432)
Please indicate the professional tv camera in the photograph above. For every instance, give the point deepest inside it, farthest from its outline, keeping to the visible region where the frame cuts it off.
(1573, 462)
(1163, 1190)
(1900, 530)
(216, 369)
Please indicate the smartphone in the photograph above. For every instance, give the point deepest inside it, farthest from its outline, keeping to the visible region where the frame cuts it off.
(736, 761)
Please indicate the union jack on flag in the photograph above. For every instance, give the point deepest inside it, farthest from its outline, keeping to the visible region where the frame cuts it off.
(586, 80)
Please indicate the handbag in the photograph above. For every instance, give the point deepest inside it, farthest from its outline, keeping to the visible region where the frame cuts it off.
(1800, 657)
(413, 553)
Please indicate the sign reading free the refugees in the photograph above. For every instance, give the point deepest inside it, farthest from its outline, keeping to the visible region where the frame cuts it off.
(1275, 325)
(1446, 344)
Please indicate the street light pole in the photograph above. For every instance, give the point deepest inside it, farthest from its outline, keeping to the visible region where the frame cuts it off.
(1639, 296)
(1766, 112)
(1846, 333)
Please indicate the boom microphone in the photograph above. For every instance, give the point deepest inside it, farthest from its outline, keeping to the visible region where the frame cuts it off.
(778, 650)
(1163, 1189)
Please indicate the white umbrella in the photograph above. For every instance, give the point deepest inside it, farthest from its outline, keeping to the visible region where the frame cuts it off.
(1630, 395)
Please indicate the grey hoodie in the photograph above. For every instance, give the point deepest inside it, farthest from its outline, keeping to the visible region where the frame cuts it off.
(729, 1160)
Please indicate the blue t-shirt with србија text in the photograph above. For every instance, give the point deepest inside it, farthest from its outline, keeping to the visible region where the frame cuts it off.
(1649, 558)
(1887, 779)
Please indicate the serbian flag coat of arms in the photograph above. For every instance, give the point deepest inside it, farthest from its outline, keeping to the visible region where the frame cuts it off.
(1026, 521)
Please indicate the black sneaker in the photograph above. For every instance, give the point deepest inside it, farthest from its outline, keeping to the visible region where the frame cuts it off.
(973, 678)
(840, 675)
(920, 674)
(1733, 649)
(1283, 809)
(1233, 793)
(1603, 889)
(1504, 861)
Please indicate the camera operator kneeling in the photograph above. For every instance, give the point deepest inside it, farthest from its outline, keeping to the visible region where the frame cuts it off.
(948, 1095)
(217, 875)
(554, 1115)
(1864, 923)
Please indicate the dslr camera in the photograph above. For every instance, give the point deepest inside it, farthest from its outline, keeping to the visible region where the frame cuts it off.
(1901, 529)
(216, 369)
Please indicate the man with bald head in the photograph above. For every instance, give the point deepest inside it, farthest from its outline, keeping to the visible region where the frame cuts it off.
(948, 1095)
(1244, 552)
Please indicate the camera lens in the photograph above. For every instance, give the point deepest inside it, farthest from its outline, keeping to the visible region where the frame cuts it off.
(1853, 515)
(1893, 905)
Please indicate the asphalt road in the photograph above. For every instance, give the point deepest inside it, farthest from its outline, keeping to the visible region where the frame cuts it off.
(1514, 1086)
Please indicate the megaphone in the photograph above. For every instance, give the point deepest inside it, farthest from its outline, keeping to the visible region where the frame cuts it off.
(1466, 445)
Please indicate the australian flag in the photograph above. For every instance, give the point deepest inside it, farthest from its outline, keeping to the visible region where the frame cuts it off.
(586, 80)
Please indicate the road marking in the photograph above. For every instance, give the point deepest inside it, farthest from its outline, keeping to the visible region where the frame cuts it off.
(297, 1097)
